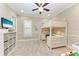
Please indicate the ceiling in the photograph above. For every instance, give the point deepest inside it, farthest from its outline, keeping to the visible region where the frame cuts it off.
(55, 8)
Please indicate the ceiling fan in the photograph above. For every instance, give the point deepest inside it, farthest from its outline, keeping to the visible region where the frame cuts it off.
(41, 7)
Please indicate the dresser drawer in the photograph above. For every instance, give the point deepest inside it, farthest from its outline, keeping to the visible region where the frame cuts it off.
(6, 44)
(10, 48)
(10, 42)
(5, 52)
(6, 37)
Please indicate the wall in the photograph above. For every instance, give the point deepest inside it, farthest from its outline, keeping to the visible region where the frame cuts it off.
(6, 12)
(71, 15)
(35, 27)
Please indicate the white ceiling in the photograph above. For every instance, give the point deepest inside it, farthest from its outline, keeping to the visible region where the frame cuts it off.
(55, 8)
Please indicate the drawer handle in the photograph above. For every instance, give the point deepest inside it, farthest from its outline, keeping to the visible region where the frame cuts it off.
(6, 41)
(6, 49)
(10, 46)
(10, 38)
(14, 37)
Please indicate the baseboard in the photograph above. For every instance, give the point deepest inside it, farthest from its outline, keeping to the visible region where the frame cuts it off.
(27, 39)
(70, 47)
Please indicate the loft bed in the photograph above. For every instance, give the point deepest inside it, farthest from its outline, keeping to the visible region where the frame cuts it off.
(60, 31)
(57, 31)
(44, 33)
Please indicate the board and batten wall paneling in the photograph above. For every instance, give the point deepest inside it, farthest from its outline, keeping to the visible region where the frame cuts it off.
(71, 15)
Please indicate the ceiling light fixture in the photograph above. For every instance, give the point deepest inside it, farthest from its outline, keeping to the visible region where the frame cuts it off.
(40, 9)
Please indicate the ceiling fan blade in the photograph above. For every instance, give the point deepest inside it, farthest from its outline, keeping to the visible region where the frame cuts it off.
(46, 9)
(40, 12)
(34, 9)
(37, 4)
(45, 4)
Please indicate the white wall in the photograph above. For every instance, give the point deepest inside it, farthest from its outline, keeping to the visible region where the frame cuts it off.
(72, 17)
(6, 12)
(35, 27)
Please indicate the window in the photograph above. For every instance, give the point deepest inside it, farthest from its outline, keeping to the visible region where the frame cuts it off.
(27, 28)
